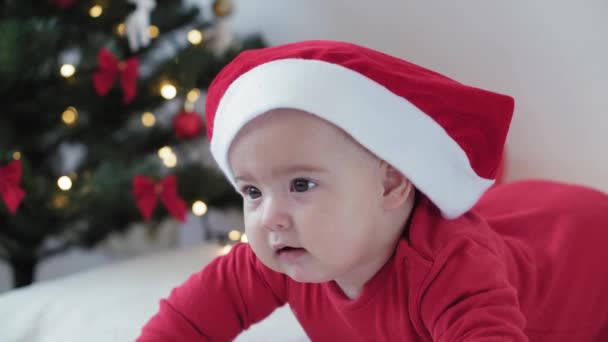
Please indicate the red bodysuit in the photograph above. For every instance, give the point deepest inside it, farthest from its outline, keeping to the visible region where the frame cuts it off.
(528, 263)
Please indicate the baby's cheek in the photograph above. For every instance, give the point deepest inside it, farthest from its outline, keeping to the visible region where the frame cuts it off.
(256, 237)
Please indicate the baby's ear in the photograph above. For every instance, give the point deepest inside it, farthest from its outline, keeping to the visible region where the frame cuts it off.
(396, 187)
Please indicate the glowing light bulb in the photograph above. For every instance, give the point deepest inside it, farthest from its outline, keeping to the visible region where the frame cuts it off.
(59, 201)
(168, 91)
(16, 155)
(165, 152)
(64, 183)
(67, 70)
(148, 119)
(244, 238)
(170, 161)
(195, 37)
(193, 95)
(95, 11)
(69, 116)
(199, 208)
(120, 29)
(153, 31)
(234, 235)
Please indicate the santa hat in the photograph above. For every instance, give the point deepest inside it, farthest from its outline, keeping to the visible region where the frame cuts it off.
(445, 137)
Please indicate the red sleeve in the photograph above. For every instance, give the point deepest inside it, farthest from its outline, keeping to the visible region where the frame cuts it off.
(467, 297)
(219, 302)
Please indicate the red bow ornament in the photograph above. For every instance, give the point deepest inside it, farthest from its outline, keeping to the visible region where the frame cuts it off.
(109, 68)
(11, 193)
(147, 192)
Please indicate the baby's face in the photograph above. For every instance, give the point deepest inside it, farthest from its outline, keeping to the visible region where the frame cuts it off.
(312, 196)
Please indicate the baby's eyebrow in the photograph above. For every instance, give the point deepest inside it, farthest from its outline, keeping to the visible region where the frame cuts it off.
(299, 168)
(242, 178)
(283, 171)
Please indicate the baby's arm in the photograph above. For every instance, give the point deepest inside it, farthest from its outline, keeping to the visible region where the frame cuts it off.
(467, 297)
(216, 304)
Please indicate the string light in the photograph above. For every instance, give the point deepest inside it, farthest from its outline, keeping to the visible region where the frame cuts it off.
(148, 119)
(244, 238)
(69, 116)
(170, 161)
(153, 31)
(234, 235)
(199, 208)
(168, 91)
(168, 157)
(17, 155)
(60, 201)
(95, 11)
(193, 95)
(120, 29)
(165, 152)
(67, 70)
(195, 37)
(64, 183)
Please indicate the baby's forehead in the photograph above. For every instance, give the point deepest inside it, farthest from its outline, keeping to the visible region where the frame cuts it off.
(298, 121)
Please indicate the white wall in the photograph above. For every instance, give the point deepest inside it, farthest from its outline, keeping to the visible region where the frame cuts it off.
(552, 56)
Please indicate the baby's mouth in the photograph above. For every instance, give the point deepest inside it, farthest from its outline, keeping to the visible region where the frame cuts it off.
(290, 255)
(289, 249)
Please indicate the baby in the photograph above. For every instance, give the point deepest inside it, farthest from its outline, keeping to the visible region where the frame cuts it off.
(369, 209)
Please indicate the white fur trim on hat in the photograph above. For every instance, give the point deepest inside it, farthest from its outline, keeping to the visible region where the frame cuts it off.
(388, 125)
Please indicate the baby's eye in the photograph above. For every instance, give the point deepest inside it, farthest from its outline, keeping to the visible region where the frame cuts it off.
(252, 192)
(302, 185)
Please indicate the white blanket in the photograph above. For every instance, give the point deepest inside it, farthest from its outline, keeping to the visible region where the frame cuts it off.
(112, 303)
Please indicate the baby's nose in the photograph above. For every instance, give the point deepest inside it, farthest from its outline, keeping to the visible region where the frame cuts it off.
(276, 215)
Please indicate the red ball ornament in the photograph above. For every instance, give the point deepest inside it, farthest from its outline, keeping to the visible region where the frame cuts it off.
(187, 125)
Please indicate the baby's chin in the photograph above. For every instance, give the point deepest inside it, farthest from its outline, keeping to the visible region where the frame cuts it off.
(301, 273)
(304, 276)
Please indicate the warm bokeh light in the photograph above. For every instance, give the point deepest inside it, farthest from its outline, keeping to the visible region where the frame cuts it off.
(199, 208)
(195, 37)
(148, 119)
(193, 95)
(16, 155)
(153, 31)
(96, 11)
(120, 29)
(168, 91)
(64, 183)
(165, 152)
(234, 235)
(244, 238)
(170, 160)
(60, 201)
(70, 116)
(67, 70)
(225, 250)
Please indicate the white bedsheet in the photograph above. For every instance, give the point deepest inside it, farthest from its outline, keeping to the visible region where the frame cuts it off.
(112, 303)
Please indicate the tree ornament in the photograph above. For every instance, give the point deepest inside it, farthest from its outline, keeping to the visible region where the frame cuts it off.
(109, 68)
(222, 8)
(63, 4)
(187, 125)
(11, 193)
(137, 23)
(147, 192)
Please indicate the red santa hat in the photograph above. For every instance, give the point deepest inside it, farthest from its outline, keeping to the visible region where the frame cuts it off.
(445, 137)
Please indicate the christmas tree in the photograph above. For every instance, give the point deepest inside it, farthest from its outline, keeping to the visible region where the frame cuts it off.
(102, 123)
